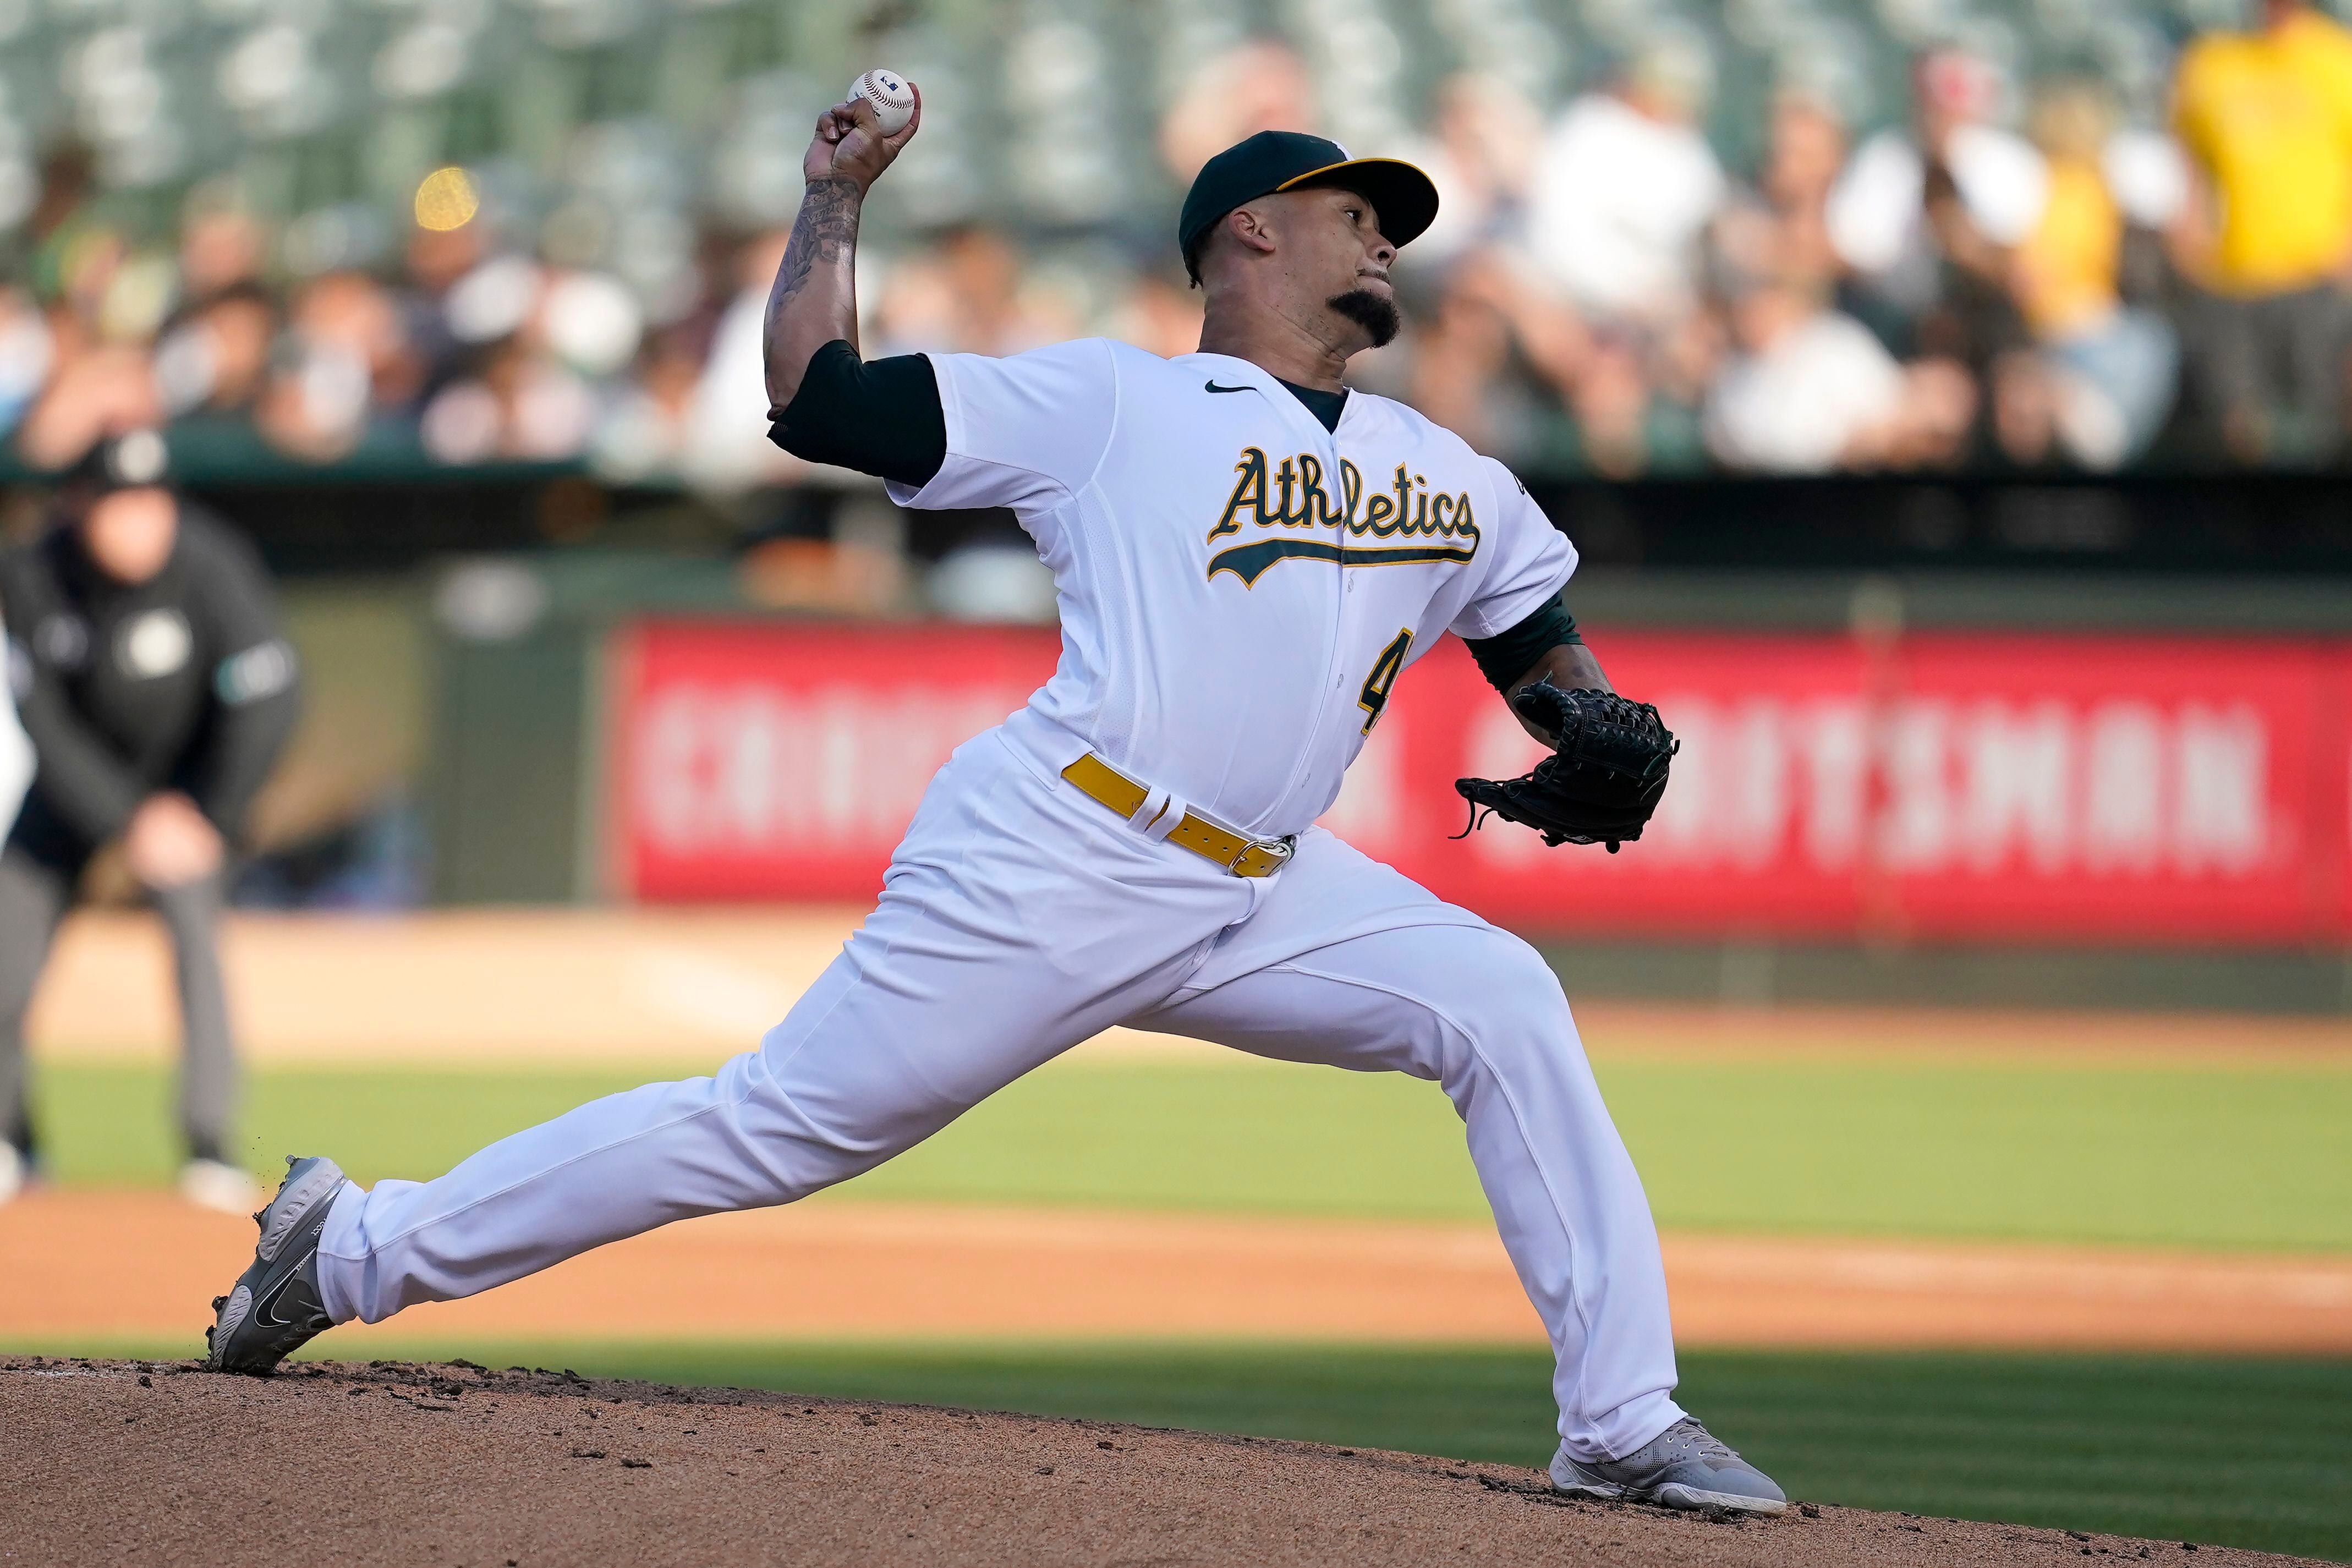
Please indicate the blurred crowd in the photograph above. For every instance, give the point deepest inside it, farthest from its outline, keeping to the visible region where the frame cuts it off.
(2014, 280)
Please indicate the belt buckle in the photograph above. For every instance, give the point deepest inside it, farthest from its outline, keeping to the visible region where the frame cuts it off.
(1280, 849)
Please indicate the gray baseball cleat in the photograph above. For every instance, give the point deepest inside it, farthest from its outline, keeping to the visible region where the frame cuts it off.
(275, 1306)
(1685, 1467)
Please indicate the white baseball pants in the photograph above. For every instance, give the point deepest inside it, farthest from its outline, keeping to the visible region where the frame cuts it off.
(1018, 919)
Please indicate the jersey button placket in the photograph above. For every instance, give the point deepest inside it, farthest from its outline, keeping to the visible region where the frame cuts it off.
(1340, 627)
(1331, 466)
(1302, 771)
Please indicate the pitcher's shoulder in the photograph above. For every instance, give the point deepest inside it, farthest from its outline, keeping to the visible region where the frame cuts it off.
(1098, 362)
(1413, 424)
(1146, 366)
(1088, 353)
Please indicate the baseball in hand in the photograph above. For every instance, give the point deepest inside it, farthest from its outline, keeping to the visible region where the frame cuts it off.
(887, 90)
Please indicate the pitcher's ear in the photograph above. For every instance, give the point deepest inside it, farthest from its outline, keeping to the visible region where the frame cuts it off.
(1248, 224)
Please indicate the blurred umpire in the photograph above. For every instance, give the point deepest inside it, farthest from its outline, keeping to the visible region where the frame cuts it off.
(150, 671)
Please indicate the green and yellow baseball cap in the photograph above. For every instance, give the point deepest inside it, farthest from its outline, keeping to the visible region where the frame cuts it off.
(1403, 198)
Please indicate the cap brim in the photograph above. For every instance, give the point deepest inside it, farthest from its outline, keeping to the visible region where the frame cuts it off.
(1403, 199)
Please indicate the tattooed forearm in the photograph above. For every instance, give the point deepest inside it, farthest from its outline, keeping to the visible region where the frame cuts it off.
(826, 232)
(814, 299)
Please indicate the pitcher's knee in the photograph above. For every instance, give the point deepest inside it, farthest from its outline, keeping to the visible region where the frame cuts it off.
(1509, 1000)
(1511, 978)
(803, 1136)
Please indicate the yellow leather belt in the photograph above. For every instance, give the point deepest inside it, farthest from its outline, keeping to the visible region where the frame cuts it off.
(1236, 852)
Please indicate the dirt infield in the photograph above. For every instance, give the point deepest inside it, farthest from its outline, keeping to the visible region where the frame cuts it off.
(147, 1463)
(142, 1266)
(505, 986)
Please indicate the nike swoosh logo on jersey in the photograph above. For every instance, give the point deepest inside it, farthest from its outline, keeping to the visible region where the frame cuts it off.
(1211, 384)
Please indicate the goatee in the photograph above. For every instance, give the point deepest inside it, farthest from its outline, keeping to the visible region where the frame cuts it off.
(1375, 313)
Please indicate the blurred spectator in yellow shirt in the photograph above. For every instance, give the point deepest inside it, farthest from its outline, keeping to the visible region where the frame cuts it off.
(2106, 371)
(2266, 117)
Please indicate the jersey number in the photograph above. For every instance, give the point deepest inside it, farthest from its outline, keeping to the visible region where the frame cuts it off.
(1385, 669)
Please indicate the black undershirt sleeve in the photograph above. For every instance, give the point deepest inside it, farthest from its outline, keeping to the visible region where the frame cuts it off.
(880, 417)
(1504, 658)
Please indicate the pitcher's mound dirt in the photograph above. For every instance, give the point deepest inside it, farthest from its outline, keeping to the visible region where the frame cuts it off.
(333, 1463)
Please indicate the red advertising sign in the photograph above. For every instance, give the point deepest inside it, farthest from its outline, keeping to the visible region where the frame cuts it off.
(785, 762)
(2009, 787)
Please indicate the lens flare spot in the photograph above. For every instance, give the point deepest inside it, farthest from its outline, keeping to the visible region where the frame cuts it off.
(446, 200)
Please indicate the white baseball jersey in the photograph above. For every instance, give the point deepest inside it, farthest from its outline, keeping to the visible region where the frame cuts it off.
(1226, 639)
(1239, 586)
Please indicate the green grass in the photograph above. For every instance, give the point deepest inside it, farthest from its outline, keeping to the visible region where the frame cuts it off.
(2167, 1157)
(2246, 1452)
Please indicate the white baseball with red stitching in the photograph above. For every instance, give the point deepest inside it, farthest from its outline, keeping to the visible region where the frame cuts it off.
(887, 90)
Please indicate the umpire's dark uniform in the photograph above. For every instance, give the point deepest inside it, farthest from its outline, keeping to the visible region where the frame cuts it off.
(179, 683)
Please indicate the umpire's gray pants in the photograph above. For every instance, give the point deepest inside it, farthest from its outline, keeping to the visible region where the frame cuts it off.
(34, 897)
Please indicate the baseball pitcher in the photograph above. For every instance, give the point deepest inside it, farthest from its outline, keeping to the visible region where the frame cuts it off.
(1247, 555)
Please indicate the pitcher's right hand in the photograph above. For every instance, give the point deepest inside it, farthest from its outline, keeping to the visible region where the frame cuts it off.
(849, 143)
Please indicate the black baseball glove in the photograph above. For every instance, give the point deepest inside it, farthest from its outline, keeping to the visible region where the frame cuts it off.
(1603, 780)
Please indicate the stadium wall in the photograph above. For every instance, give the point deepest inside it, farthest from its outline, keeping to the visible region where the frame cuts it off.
(1933, 787)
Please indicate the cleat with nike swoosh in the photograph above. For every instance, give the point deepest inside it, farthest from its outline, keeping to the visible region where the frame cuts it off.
(275, 1306)
(1684, 1467)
